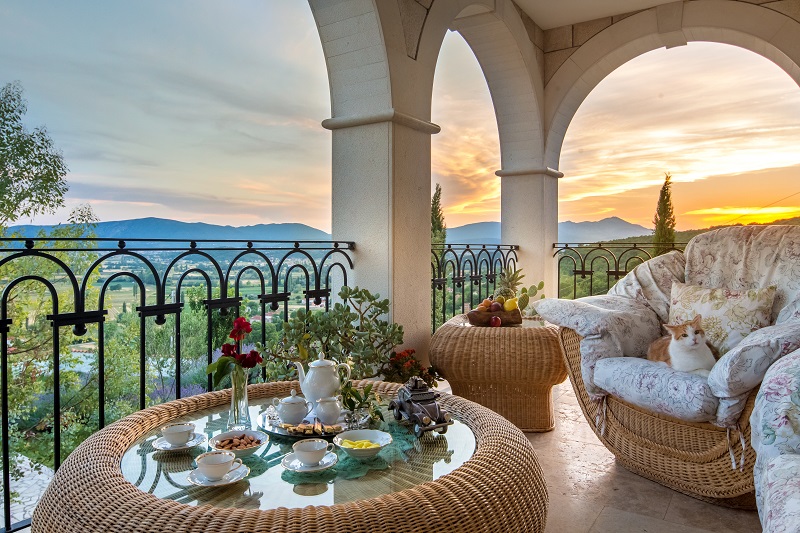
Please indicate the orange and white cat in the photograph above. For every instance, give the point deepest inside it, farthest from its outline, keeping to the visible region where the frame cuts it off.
(685, 348)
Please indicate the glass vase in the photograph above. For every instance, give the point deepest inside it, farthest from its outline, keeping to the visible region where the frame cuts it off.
(239, 415)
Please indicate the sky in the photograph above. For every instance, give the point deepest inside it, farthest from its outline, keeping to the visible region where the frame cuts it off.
(210, 111)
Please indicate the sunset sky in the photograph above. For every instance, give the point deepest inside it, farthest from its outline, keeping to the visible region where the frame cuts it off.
(209, 111)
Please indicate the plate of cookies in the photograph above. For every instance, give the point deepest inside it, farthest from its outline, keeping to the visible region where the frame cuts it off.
(242, 443)
(304, 430)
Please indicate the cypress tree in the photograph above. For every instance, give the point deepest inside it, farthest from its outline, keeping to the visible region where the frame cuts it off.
(664, 220)
(438, 227)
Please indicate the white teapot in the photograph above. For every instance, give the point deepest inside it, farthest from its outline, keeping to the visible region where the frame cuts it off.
(322, 378)
(292, 409)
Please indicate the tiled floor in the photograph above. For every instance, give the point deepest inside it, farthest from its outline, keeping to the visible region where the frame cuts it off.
(590, 493)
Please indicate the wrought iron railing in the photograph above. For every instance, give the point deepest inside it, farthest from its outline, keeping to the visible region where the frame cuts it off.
(50, 285)
(464, 274)
(587, 269)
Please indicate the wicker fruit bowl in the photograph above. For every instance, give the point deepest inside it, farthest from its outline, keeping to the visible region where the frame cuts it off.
(507, 318)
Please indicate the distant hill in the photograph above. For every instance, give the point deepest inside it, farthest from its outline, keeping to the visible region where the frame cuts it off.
(686, 236)
(144, 228)
(603, 230)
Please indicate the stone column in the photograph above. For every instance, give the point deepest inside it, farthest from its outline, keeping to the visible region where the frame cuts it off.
(529, 218)
(381, 182)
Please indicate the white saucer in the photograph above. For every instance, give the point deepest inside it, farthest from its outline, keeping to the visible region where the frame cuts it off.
(161, 443)
(196, 478)
(291, 462)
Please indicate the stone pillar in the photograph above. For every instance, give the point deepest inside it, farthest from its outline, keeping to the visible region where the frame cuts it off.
(529, 218)
(381, 182)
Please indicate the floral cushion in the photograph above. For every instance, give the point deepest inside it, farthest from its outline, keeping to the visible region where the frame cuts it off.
(743, 368)
(728, 315)
(611, 326)
(657, 388)
(749, 257)
(652, 282)
(775, 433)
(780, 499)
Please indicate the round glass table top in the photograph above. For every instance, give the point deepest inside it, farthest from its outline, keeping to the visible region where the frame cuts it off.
(405, 463)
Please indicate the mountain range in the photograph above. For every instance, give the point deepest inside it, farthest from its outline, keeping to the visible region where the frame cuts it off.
(607, 229)
(480, 232)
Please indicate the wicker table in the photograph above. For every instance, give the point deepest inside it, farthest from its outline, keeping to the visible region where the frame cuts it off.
(500, 487)
(511, 370)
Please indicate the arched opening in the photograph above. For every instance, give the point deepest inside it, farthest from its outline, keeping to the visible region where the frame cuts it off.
(717, 117)
(466, 153)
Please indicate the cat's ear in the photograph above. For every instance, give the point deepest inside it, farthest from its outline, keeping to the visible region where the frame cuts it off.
(669, 328)
(697, 321)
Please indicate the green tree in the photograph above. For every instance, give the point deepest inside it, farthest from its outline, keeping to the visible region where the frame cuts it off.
(438, 227)
(664, 220)
(32, 169)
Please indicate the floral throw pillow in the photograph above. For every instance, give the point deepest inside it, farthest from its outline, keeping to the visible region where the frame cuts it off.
(728, 315)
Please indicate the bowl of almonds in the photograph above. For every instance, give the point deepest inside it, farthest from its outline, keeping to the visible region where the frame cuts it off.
(242, 443)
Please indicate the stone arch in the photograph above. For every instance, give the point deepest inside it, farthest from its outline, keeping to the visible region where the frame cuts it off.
(764, 31)
(505, 49)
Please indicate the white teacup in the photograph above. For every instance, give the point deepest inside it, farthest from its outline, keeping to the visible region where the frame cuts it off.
(214, 465)
(178, 434)
(311, 451)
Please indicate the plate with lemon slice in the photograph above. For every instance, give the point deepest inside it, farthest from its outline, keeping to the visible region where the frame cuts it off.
(362, 443)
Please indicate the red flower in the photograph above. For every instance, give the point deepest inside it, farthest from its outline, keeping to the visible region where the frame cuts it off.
(241, 327)
(248, 360)
(229, 350)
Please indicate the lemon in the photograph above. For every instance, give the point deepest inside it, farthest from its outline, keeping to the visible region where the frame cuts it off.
(500, 299)
(359, 444)
(510, 304)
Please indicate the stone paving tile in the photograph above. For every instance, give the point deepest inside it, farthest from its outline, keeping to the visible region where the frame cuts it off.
(590, 493)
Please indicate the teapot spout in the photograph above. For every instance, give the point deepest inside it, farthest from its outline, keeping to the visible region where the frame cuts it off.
(301, 374)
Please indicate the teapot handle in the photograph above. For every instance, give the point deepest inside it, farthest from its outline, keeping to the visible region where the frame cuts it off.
(309, 407)
(347, 371)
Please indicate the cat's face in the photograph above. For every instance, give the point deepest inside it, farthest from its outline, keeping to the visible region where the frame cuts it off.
(688, 334)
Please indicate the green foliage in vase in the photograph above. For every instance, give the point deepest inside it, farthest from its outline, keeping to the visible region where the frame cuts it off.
(354, 332)
(353, 399)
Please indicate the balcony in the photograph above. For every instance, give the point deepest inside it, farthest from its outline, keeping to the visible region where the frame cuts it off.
(165, 305)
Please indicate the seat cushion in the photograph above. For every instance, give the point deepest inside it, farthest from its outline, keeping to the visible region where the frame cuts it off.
(657, 388)
(749, 257)
(742, 369)
(611, 326)
(728, 315)
(652, 281)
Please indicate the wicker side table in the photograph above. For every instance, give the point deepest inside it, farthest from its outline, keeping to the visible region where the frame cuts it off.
(510, 370)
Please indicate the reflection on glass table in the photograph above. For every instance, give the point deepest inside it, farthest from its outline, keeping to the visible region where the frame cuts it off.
(407, 462)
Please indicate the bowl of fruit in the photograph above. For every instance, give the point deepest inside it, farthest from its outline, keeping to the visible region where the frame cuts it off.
(500, 311)
(504, 308)
(362, 443)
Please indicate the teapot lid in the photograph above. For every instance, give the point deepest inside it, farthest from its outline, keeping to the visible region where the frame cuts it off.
(321, 361)
(294, 398)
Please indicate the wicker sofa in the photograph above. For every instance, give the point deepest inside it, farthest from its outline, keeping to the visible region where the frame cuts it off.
(685, 431)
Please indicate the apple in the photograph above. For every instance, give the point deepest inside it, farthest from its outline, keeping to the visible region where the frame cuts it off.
(496, 306)
(495, 321)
